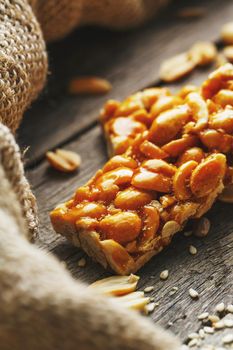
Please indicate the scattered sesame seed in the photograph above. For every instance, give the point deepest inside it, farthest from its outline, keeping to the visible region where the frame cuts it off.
(228, 339)
(193, 342)
(148, 289)
(193, 335)
(164, 274)
(188, 233)
(193, 293)
(203, 316)
(214, 318)
(220, 307)
(228, 323)
(82, 262)
(219, 325)
(230, 308)
(202, 333)
(170, 323)
(208, 330)
(152, 298)
(173, 290)
(192, 250)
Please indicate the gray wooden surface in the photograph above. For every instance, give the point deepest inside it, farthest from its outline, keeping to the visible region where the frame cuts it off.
(130, 61)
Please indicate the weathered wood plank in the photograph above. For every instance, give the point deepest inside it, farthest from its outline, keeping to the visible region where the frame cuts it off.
(129, 60)
(210, 271)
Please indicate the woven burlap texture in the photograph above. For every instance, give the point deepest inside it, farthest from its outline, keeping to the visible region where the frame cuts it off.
(41, 306)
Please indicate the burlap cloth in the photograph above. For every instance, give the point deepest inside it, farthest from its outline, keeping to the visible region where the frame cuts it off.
(41, 306)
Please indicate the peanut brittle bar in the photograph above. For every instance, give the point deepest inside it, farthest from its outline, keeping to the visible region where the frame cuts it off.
(173, 156)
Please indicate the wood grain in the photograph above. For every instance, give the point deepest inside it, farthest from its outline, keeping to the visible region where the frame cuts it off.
(129, 60)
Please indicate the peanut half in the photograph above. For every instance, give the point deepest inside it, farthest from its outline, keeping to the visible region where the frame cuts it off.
(116, 285)
(89, 86)
(63, 160)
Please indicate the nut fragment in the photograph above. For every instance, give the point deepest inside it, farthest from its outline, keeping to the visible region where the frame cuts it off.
(148, 289)
(176, 67)
(133, 301)
(63, 160)
(89, 86)
(116, 285)
(227, 33)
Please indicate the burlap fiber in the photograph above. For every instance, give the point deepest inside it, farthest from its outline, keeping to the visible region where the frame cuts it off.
(41, 306)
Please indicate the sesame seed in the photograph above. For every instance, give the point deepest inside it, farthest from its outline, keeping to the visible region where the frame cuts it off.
(82, 262)
(170, 323)
(220, 307)
(193, 335)
(164, 274)
(230, 308)
(148, 289)
(193, 342)
(192, 250)
(193, 293)
(228, 339)
(201, 333)
(203, 316)
(208, 330)
(214, 318)
(219, 325)
(228, 323)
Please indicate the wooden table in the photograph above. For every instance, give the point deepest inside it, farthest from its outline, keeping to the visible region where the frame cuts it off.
(130, 60)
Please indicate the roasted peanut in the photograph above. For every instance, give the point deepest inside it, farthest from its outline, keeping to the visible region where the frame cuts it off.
(194, 153)
(167, 200)
(185, 90)
(109, 110)
(164, 103)
(126, 126)
(92, 210)
(151, 95)
(87, 223)
(64, 160)
(159, 166)
(167, 125)
(143, 117)
(203, 53)
(227, 33)
(120, 161)
(223, 120)
(224, 97)
(208, 174)
(148, 180)
(130, 105)
(131, 199)
(117, 176)
(116, 285)
(89, 85)
(176, 67)
(120, 144)
(217, 80)
(214, 139)
(199, 109)
(176, 147)
(150, 150)
(122, 227)
(181, 180)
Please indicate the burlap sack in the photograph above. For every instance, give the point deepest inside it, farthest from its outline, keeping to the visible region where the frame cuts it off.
(23, 60)
(41, 306)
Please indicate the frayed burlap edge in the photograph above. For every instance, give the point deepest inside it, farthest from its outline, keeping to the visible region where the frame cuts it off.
(10, 157)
